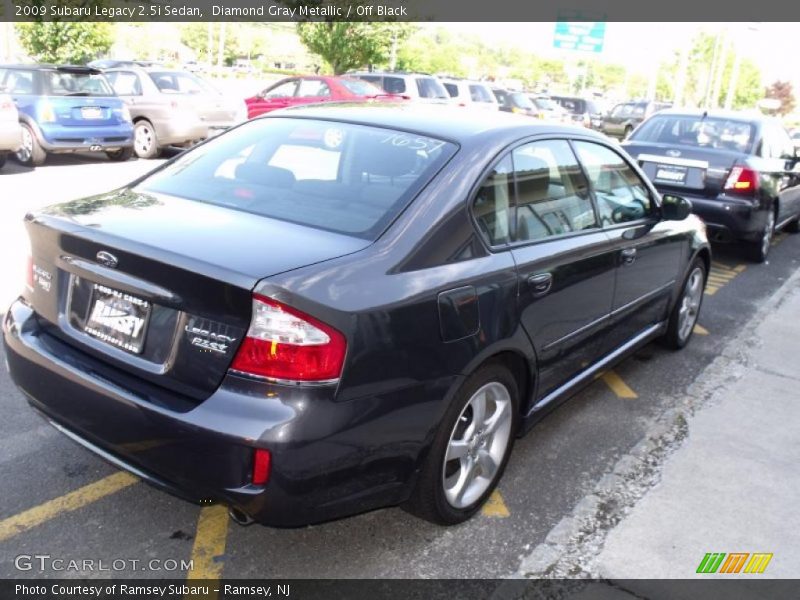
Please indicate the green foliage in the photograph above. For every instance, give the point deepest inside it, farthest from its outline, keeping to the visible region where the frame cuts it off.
(65, 43)
(351, 45)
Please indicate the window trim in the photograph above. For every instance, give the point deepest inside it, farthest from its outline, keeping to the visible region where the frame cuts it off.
(655, 198)
(513, 243)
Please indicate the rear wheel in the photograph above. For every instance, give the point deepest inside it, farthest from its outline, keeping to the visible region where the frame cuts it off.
(3, 157)
(684, 316)
(145, 142)
(120, 155)
(30, 154)
(471, 448)
(759, 250)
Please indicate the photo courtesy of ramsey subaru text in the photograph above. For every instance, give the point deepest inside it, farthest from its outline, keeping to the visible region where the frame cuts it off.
(329, 310)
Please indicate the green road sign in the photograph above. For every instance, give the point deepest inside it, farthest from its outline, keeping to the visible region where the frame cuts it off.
(582, 36)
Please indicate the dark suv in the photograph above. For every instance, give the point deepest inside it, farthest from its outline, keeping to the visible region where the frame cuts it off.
(584, 112)
(740, 171)
(624, 118)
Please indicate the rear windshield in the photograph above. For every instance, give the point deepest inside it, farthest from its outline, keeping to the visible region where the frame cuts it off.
(346, 178)
(685, 130)
(60, 83)
(178, 82)
(520, 100)
(480, 93)
(361, 88)
(428, 87)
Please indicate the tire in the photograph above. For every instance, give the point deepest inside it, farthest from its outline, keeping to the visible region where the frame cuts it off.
(686, 310)
(145, 142)
(759, 250)
(31, 154)
(3, 158)
(794, 226)
(120, 155)
(436, 497)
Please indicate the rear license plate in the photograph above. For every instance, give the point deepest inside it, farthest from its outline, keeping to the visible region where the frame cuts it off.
(91, 112)
(671, 174)
(117, 318)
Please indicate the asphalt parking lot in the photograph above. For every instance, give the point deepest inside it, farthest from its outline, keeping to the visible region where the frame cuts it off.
(61, 501)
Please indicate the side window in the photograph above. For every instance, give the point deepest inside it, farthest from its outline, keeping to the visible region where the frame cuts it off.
(492, 204)
(621, 195)
(282, 90)
(552, 194)
(125, 83)
(777, 143)
(502, 99)
(19, 82)
(312, 88)
(394, 85)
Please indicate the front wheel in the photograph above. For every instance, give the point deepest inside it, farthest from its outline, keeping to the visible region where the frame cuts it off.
(471, 448)
(684, 316)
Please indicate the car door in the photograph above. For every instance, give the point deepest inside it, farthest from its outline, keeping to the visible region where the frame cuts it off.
(280, 95)
(128, 86)
(564, 264)
(782, 169)
(647, 251)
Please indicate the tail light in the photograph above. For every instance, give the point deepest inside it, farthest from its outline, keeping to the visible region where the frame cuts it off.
(742, 180)
(261, 466)
(284, 343)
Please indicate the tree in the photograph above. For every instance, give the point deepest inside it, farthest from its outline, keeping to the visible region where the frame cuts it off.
(65, 43)
(782, 90)
(349, 45)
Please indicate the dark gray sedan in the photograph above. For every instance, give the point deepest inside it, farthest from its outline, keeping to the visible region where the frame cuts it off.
(330, 310)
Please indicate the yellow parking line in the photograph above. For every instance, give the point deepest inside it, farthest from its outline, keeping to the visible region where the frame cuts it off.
(209, 544)
(619, 387)
(700, 330)
(739, 268)
(495, 506)
(724, 275)
(68, 502)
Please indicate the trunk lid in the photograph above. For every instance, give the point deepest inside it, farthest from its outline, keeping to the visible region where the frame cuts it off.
(159, 287)
(86, 111)
(701, 171)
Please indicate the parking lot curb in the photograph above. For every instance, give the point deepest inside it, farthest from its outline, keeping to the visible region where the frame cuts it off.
(571, 547)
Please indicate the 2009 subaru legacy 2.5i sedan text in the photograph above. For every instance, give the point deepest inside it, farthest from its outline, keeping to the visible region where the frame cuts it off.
(329, 310)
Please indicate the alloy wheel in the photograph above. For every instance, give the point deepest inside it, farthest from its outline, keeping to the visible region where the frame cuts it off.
(690, 303)
(477, 446)
(26, 150)
(766, 238)
(143, 139)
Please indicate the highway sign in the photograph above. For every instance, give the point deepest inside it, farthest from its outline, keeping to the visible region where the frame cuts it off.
(582, 36)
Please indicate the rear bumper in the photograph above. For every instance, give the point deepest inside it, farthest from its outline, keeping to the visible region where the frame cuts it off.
(729, 219)
(329, 459)
(58, 138)
(10, 136)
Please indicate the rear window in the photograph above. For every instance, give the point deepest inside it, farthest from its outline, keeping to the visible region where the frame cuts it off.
(428, 87)
(452, 89)
(686, 130)
(573, 105)
(340, 177)
(178, 82)
(66, 83)
(520, 100)
(394, 85)
(480, 93)
(361, 88)
(18, 82)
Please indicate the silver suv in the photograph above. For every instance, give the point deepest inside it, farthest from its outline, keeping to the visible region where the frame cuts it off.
(413, 86)
(171, 107)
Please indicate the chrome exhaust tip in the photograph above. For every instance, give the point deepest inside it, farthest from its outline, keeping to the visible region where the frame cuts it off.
(240, 517)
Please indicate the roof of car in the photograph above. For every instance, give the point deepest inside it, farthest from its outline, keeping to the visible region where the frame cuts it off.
(52, 67)
(715, 114)
(436, 121)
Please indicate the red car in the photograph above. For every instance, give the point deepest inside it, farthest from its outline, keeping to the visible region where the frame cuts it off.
(312, 89)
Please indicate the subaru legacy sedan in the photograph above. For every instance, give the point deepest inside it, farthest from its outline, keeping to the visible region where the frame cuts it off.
(334, 309)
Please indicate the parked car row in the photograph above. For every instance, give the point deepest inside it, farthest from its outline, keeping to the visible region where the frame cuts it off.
(124, 109)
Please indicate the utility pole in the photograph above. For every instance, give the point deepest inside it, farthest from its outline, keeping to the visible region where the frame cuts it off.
(712, 72)
(722, 63)
(733, 82)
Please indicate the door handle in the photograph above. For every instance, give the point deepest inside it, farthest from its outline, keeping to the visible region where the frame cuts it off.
(540, 284)
(628, 256)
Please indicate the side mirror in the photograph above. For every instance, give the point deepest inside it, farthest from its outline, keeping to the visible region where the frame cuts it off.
(675, 208)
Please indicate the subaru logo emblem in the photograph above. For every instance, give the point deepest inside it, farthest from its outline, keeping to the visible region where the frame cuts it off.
(107, 259)
(673, 153)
